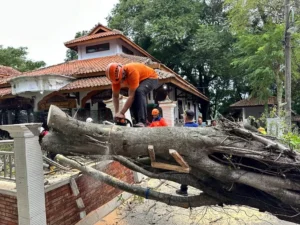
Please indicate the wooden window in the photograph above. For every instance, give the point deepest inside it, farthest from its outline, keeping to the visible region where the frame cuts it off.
(126, 50)
(97, 48)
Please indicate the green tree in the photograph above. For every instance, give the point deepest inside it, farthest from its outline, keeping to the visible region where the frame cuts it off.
(190, 37)
(71, 54)
(262, 58)
(211, 49)
(17, 58)
(259, 29)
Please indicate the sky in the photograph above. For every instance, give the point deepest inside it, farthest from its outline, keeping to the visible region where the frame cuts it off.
(44, 25)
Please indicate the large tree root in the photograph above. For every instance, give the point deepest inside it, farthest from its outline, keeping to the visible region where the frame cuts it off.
(229, 164)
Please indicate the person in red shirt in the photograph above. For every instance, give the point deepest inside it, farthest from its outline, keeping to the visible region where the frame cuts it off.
(43, 133)
(44, 130)
(157, 121)
(140, 80)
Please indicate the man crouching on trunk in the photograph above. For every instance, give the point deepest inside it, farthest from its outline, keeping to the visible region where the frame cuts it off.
(140, 80)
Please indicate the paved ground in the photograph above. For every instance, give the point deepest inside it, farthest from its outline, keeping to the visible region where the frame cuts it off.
(139, 211)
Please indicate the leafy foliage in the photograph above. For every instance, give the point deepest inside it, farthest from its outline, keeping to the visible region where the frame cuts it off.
(17, 58)
(190, 37)
(259, 29)
(228, 49)
(293, 140)
(261, 57)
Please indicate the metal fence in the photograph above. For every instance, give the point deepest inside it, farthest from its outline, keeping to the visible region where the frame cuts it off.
(7, 161)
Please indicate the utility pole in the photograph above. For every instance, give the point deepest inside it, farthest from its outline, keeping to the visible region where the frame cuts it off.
(287, 43)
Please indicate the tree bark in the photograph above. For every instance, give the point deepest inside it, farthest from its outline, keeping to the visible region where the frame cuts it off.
(230, 164)
(279, 85)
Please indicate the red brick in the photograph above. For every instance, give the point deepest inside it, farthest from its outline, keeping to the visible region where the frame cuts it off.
(94, 194)
(11, 216)
(10, 200)
(8, 219)
(5, 222)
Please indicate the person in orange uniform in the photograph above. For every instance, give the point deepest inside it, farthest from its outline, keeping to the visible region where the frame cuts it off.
(157, 121)
(140, 80)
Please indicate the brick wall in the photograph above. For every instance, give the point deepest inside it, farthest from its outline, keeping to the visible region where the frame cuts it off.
(8, 210)
(61, 206)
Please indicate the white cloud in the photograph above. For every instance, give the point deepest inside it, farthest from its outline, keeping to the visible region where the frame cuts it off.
(43, 26)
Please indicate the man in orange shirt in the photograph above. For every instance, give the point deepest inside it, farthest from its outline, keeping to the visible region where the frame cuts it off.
(140, 80)
(157, 121)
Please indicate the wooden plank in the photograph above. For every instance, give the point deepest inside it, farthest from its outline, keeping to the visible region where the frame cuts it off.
(151, 153)
(178, 158)
(170, 167)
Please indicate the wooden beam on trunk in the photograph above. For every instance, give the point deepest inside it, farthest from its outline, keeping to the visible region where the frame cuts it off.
(151, 153)
(165, 166)
(178, 158)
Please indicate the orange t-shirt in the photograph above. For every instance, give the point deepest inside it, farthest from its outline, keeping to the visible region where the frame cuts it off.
(135, 73)
(160, 123)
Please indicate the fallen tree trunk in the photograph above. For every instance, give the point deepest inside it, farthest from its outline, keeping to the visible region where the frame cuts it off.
(228, 163)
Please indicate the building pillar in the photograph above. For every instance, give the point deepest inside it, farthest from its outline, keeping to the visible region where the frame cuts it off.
(167, 107)
(9, 117)
(28, 116)
(122, 100)
(36, 99)
(29, 173)
(94, 112)
(244, 115)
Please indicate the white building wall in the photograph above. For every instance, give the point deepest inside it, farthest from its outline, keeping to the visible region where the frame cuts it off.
(81, 96)
(172, 97)
(113, 50)
(195, 105)
(115, 47)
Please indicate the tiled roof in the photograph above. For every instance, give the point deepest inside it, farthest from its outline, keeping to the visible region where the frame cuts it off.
(5, 74)
(92, 36)
(98, 27)
(4, 80)
(89, 67)
(8, 71)
(85, 66)
(5, 91)
(254, 102)
(89, 71)
(103, 81)
(87, 83)
(164, 74)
